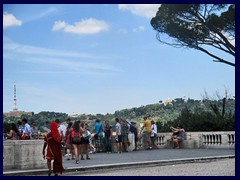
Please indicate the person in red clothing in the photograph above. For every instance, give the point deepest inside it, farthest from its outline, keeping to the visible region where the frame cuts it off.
(53, 143)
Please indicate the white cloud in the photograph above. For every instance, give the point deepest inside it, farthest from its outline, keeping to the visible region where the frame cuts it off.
(10, 20)
(59, 25)
(145, 10)
(69, 61)
(139, 28)
(85, 26)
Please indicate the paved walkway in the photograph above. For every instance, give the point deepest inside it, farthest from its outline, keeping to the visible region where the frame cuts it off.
(136, 158)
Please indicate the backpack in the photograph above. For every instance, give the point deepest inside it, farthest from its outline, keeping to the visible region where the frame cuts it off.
(76, 137)
(133, 129)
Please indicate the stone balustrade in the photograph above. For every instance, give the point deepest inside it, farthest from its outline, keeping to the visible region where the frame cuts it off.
(27, 154)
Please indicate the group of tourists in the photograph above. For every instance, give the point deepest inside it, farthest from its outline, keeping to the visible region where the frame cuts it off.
(74, 139)
(22, 131)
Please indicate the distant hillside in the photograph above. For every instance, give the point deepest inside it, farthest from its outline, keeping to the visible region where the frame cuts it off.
(164, 114)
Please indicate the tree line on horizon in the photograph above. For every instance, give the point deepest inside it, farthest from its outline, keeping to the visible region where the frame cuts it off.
(193, 115)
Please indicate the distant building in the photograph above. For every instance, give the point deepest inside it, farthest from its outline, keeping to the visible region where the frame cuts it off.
(17, 113)
(168, 102)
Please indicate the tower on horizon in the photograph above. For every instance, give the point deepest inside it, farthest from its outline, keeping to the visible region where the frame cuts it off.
(15, 98)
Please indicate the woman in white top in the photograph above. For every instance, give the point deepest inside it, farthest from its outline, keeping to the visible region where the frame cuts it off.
(154, 135)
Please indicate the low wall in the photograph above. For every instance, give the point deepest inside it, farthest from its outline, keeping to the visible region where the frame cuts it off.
(225, 140)
(23, 154)
(27, 154)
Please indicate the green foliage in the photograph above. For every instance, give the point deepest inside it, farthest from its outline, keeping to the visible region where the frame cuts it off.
(198, 26)
(193, 115)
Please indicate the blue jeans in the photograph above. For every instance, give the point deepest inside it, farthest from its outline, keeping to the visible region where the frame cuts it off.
(108, 144)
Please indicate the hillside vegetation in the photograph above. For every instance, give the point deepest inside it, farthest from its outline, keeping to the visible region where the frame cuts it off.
(193, 115)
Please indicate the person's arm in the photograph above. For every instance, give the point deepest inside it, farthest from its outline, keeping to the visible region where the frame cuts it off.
(117, 130)
(10, 134)
(44, 147)
(142, 127)
(110, 133)
(173, 129)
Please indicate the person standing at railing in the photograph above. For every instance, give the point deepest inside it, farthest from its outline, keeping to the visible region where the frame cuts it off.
(146, 128)
(118, 137)
(179, 137)
(34, 131)
(26, 130)
(154, 134)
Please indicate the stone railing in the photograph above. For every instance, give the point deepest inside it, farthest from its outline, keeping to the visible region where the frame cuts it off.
(27, 154)
(196, 140)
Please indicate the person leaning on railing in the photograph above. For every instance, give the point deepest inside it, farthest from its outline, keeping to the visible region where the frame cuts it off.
(178, 135)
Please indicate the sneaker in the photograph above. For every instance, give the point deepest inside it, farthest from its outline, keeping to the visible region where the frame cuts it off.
(90, 152)
(94, 150)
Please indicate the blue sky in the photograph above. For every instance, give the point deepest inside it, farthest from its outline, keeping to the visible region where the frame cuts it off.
(98, 59)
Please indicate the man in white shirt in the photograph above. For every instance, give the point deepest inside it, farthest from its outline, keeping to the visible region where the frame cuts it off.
(26, 129)
(118, 137)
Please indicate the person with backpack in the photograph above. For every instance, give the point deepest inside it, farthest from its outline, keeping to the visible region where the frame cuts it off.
(76, 139)
(99, 135)
(134, 130)
(124, 132)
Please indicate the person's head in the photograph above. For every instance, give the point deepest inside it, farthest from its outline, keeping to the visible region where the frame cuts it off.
(57, 121)
(13, 126)
(54, 131)
(68, 120)
(107, 123)
(145, 118)
(24, 121)
(179, 126)
(69, 125)
(117, 119)
(97, 120)
(19, 123)
(152, 121)
(76, 126)
(33, 124)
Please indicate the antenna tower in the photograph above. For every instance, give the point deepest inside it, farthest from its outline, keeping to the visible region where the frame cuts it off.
(15, 98)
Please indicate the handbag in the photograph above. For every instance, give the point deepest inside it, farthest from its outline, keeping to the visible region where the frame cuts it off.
(96, 135)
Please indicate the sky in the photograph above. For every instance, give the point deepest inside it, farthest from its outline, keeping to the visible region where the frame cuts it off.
(85, 58)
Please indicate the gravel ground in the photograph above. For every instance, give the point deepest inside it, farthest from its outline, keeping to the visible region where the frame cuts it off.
(223, 167)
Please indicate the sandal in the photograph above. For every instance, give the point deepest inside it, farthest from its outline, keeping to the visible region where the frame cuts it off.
(49, 173)
(88, 158)
(77, 162)
(82, 158)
